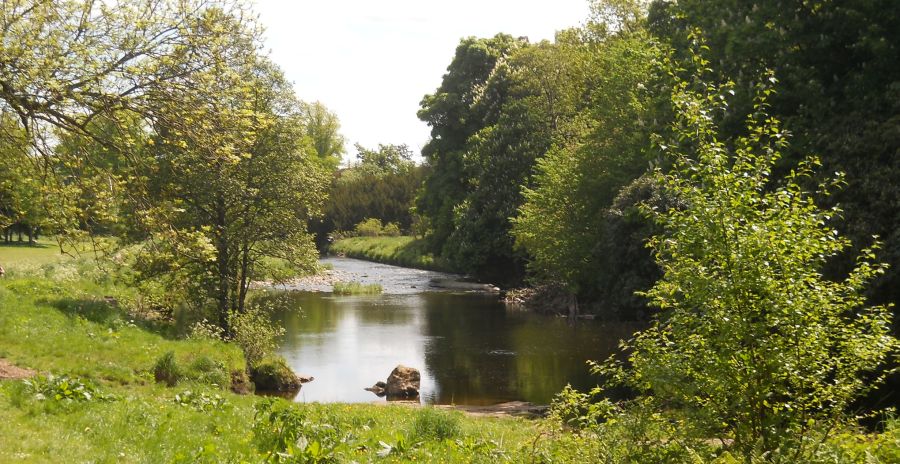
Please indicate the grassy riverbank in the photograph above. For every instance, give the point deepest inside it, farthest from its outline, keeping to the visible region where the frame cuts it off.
(53, 320)
(61, 316)
(403, 251)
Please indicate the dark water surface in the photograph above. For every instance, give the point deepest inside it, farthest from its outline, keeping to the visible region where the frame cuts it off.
(470, 349)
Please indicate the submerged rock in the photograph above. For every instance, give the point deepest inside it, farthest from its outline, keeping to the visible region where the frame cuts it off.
(378, 389)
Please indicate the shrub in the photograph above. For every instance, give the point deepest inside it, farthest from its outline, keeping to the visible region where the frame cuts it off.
(581, 410)
(273, 374)
(283, 432)
(62, 388)
(432, 423)
(753, 343)
(200, 401)
(255, 333)
(167, 370)
(391, 229)
(370, 227)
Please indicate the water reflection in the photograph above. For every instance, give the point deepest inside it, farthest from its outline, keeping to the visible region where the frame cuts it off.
(469, 348)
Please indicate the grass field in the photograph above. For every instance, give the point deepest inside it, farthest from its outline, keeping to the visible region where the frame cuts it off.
(15, 255)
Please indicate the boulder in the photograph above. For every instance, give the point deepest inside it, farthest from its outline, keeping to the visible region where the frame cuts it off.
(403, 381)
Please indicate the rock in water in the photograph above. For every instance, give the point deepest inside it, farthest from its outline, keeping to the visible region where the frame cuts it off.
(403, 381)
(378, 388)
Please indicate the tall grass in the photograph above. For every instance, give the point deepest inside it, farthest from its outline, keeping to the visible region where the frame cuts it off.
(356, 288)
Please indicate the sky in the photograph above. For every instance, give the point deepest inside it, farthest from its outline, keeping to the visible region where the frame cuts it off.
(372, 61)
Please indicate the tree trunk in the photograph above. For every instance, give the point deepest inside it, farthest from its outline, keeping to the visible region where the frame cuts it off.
(222, 262)
(30, 235)
(245, 278)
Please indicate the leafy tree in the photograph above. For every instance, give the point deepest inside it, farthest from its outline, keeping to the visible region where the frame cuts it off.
(579, 221)
(232, 179)
(454, 117)
(22, 209)
(323, 126)
(838, 67)
(753, 343)
(381, 185)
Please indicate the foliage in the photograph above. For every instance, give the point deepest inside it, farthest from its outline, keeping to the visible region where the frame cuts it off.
(368, 228)
(753, 343)
(255, 333)
(838, 68)
(322, 127)
(582, 410)
(200, 401)
(579, 222)
(455, 113)
(285, 435)
(381, 185)
(63, 388)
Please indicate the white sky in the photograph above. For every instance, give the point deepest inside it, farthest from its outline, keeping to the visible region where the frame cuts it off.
(371, 62)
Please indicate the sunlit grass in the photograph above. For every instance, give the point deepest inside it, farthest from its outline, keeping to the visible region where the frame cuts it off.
(402, 251)
(356, 288)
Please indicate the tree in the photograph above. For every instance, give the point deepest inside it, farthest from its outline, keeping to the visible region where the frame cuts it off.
(753, 343)
(232, 179)
(454, 117)
(579, 221)
(381, 185)
(838, 67)
(322, 126)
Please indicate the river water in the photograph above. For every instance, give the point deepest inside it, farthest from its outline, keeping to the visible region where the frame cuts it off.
(469, 347)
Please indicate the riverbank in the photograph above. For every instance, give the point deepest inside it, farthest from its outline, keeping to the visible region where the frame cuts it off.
(104, 405)
(77, 384)
(403, 251)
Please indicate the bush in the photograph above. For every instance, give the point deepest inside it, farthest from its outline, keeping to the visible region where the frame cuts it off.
(200, 401)
(255, 333)
(581, 410)
(391, 229)
(167, 369)
(753, 343)
(273, 374)
(370, 227)
(432, 423)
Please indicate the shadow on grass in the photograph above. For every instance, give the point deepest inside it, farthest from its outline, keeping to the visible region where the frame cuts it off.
(36, 245)
(107, 312)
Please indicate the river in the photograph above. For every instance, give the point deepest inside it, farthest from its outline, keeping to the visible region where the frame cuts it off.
(469, 347)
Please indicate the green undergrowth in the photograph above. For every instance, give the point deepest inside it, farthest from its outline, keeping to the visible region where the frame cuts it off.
(356, 288)
(401, 251)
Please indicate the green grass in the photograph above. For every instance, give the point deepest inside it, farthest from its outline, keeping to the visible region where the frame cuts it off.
(59, 322)
(68, 327)
(17, 256)
(355, 288)
(401, 251)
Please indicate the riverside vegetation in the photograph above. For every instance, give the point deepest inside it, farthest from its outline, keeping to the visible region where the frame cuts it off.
(97, 366)
(655, 159)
